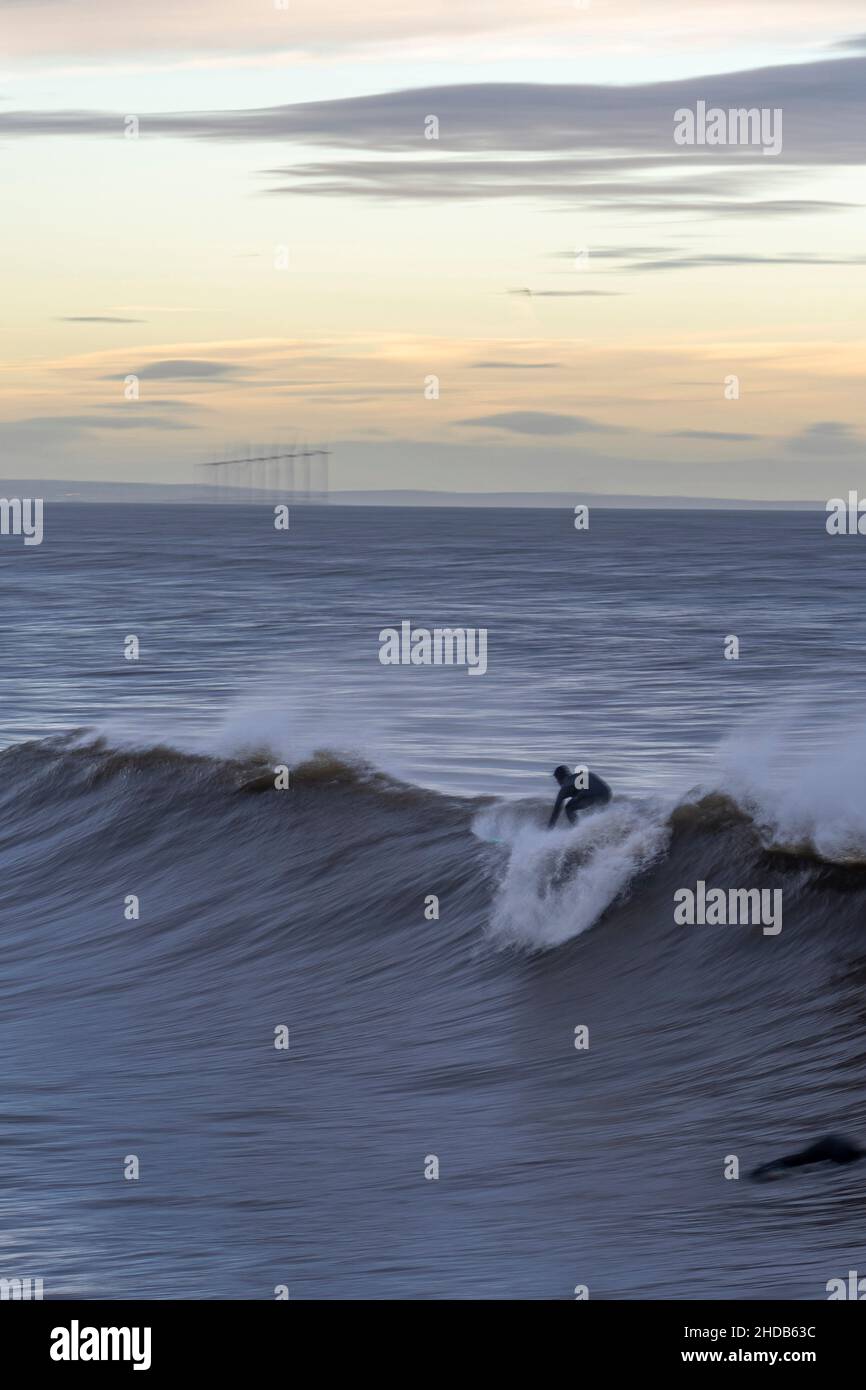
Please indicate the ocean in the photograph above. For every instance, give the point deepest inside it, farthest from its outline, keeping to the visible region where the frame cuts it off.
(379, 1034)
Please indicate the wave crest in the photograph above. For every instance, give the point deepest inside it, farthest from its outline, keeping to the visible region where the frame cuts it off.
(557, 884)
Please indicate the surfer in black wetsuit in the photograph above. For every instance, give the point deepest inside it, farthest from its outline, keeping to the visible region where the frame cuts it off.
(833, 1148)
(576, 798)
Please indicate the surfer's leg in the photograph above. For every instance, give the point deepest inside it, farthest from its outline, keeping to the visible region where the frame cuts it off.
(582, 801)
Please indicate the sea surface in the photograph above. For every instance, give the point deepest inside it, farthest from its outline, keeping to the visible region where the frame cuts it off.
(404, 918)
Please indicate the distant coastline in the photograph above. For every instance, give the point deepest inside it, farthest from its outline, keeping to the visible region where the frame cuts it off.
(57, 490)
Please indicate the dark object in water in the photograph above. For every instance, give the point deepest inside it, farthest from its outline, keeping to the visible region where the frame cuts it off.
(265, 783)
(833, 1148)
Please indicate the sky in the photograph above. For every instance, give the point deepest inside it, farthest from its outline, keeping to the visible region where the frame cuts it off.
(238, 204)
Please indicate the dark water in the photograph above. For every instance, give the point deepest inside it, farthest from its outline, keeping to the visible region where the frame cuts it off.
(411, 1037)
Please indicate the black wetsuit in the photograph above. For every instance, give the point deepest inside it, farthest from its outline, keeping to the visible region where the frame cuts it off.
(575, 799)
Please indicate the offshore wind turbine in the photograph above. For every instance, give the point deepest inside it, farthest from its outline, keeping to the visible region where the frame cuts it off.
(254, 463)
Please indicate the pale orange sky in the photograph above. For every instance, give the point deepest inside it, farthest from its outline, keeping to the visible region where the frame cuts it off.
(552, 293)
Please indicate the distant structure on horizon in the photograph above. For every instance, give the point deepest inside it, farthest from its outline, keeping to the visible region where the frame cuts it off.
(298, 473)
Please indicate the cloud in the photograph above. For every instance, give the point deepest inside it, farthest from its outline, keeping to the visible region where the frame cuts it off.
(609, 253)
(567, 294)
(710, 434)
(570, 181)
(774, 207)
(95, 318)
(155, 403)
(538, 422)
(180, 369)
(575, 145)
(691, 262)
(826, 437)
(515, 366)
(855, 44)
(134, 418)
(618, 128)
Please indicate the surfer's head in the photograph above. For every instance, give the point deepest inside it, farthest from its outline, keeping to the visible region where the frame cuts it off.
(562, 772)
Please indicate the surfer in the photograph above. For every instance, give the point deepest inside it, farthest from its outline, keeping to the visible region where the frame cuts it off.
(833, 1148)
(593, 792)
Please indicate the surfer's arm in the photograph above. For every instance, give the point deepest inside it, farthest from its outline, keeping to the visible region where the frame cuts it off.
(554, 815)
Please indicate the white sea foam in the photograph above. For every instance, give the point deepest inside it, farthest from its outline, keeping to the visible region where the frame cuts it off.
(801, 796)
(271, 726)
(556, 884)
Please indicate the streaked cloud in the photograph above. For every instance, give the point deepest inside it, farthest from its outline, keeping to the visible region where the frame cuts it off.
(131, 419)
(855, 44)
(539, 422)
(604, 147)
(608, 253)
(630, 127)
(826, 437)
(717, 207)
(567, 294)
(514, 366)
(723, 436)
(180, 369)
(691, 262)
(95, 318)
